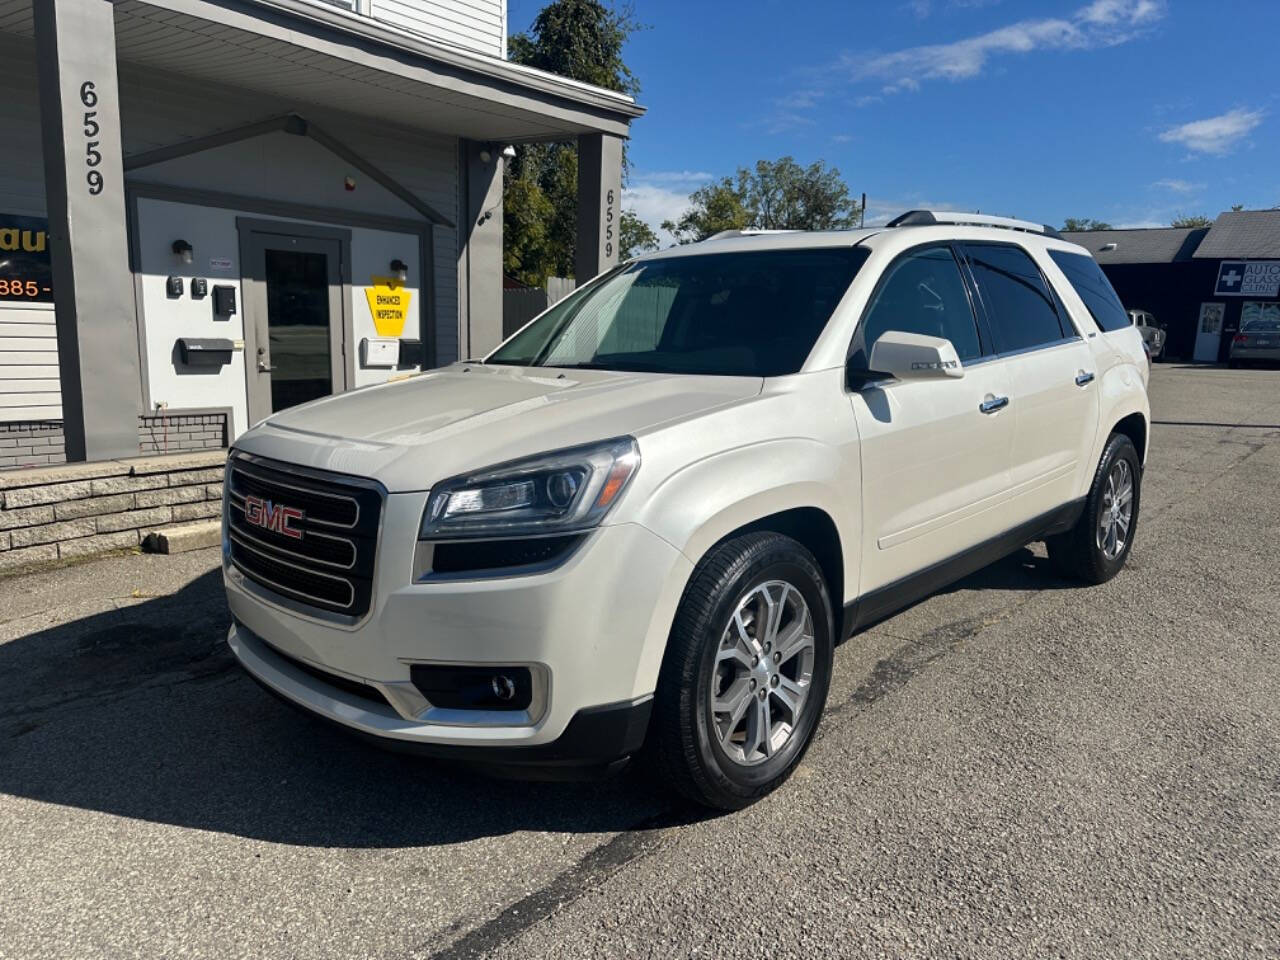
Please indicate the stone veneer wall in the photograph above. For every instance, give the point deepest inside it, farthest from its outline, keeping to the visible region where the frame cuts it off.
(58, 512)
(33, 443)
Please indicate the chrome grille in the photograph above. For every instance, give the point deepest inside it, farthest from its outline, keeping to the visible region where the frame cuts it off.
(309, 537)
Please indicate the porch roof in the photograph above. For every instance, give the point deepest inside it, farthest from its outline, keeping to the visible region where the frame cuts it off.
(309, 54)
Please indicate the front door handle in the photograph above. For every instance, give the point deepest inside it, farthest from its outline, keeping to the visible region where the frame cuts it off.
(264, 367)
(993, 404)
(1084, 378)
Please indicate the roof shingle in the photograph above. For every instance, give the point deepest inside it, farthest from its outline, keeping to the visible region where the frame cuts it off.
(1242, 235)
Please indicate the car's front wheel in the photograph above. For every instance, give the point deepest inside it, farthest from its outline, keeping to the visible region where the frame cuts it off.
(745, 676)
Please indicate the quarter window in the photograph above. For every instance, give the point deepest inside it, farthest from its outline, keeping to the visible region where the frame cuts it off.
(923, 292)
(1083, 272)
(1020, 306)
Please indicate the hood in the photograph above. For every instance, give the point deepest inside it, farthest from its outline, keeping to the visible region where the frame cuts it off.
(412, 433)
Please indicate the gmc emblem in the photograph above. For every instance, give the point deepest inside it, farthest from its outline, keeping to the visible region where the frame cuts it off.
(273, 516)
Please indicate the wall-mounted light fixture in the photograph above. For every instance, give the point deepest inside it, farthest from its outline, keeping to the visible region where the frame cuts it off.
(183, 251)
(400, 269)
(486, 155)
(509, 151)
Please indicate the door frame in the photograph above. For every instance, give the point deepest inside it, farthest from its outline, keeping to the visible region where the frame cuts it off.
(257, 236)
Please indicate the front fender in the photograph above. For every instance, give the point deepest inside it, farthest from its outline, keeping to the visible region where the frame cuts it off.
(705, 501)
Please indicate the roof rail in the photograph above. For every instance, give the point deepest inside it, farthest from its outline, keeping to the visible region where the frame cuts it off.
(921, 218)
(748, 232)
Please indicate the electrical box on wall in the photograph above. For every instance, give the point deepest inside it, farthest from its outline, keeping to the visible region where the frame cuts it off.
(173, 287)
(199, 288)
(224, 301)
(379, 352)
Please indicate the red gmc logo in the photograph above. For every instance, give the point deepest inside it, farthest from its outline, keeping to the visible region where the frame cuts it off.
(273, 516)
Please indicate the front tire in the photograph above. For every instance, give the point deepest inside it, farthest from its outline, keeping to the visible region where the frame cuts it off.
(1095, 549)
(746, 672)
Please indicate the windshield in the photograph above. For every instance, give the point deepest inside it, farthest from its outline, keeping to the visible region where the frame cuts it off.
(754, 314)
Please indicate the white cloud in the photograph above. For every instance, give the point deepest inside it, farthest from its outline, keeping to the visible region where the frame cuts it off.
(1214, 135)
(662, 195)
(1178, 186)
(1101, 23)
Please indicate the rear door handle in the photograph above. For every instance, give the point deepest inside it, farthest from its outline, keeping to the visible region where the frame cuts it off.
(994, 404)
(1084, 378)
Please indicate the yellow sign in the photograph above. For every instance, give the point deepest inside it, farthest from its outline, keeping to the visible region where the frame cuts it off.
(389, 304)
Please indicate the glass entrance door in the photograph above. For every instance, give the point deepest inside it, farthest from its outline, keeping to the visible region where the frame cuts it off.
(298, 327)
(294, 317)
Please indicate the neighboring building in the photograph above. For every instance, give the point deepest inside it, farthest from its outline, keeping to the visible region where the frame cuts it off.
(1197, 283)
(210, 209)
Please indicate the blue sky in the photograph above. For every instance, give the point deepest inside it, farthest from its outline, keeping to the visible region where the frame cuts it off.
(1131, 111)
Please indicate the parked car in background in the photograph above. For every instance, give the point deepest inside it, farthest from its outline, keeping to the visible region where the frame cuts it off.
(648, 517)
(1259, 336)
(1152, 334)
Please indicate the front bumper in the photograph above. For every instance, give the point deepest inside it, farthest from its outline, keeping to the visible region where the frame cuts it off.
(593, 629)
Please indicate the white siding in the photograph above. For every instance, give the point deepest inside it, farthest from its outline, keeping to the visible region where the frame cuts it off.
(478, 25)
(29, 387)
(162, 109)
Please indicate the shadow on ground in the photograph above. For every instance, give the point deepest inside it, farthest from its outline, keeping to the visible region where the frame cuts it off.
(142, 712)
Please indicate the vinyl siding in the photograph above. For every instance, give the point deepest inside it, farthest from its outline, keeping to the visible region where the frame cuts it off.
(478, 25)
(29, 388)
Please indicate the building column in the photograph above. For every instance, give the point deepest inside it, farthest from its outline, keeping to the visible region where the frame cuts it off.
(480, 240)
(599, 204)
(84, 187)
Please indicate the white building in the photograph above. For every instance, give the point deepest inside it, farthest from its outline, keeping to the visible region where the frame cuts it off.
(210, 209)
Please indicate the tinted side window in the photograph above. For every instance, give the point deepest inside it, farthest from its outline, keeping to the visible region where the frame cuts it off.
(1019, 304)
(923, 292)
(1093, 287)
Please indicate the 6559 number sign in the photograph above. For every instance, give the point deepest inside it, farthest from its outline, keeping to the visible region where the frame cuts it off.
(92, 157)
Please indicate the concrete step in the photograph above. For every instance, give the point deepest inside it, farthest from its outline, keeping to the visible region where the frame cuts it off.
(184, 537)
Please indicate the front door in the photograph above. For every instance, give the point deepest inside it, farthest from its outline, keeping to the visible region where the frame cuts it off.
(935, 452)
(1209, 332)
(294, 320)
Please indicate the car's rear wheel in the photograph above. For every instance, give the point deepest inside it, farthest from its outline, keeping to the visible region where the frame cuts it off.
(1096, 548)
(746, 671)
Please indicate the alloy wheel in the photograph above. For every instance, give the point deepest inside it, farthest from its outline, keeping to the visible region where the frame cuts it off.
(763, 672)
(1116, 514)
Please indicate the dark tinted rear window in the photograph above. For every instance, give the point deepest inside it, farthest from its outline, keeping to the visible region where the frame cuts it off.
(1020, 307)
(1094, 288)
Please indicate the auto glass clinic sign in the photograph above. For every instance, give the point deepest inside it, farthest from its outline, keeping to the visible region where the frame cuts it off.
(1248, 278)
(26, 271)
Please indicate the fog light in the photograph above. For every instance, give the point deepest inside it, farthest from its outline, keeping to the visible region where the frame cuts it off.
(496, 687)
(503, 687)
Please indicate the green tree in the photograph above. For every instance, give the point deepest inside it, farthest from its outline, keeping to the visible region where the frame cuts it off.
(1084, 223)
(775, 195)
(634, 236)
(582, 40)
(1194, 220)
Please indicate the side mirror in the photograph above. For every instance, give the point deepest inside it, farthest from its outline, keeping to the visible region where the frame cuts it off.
(908, 356)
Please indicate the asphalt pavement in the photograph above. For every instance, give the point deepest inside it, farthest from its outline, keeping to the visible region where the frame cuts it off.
(1018, 766)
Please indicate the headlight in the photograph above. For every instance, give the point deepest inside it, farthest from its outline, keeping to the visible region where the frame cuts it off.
(559, 492)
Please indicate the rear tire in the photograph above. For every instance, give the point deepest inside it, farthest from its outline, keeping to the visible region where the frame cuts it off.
(746, 672)
(1095, 549)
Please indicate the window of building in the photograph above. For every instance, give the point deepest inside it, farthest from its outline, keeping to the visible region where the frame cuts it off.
(923, 292)
(1093, 287)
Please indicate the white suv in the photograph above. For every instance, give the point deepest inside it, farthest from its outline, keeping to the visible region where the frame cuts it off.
(647, 518)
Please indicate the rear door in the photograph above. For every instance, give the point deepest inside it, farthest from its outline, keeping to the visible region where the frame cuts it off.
(1054, 386)
(935, 453)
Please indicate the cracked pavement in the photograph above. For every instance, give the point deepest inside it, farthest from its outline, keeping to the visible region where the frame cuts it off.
(1018, 766)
